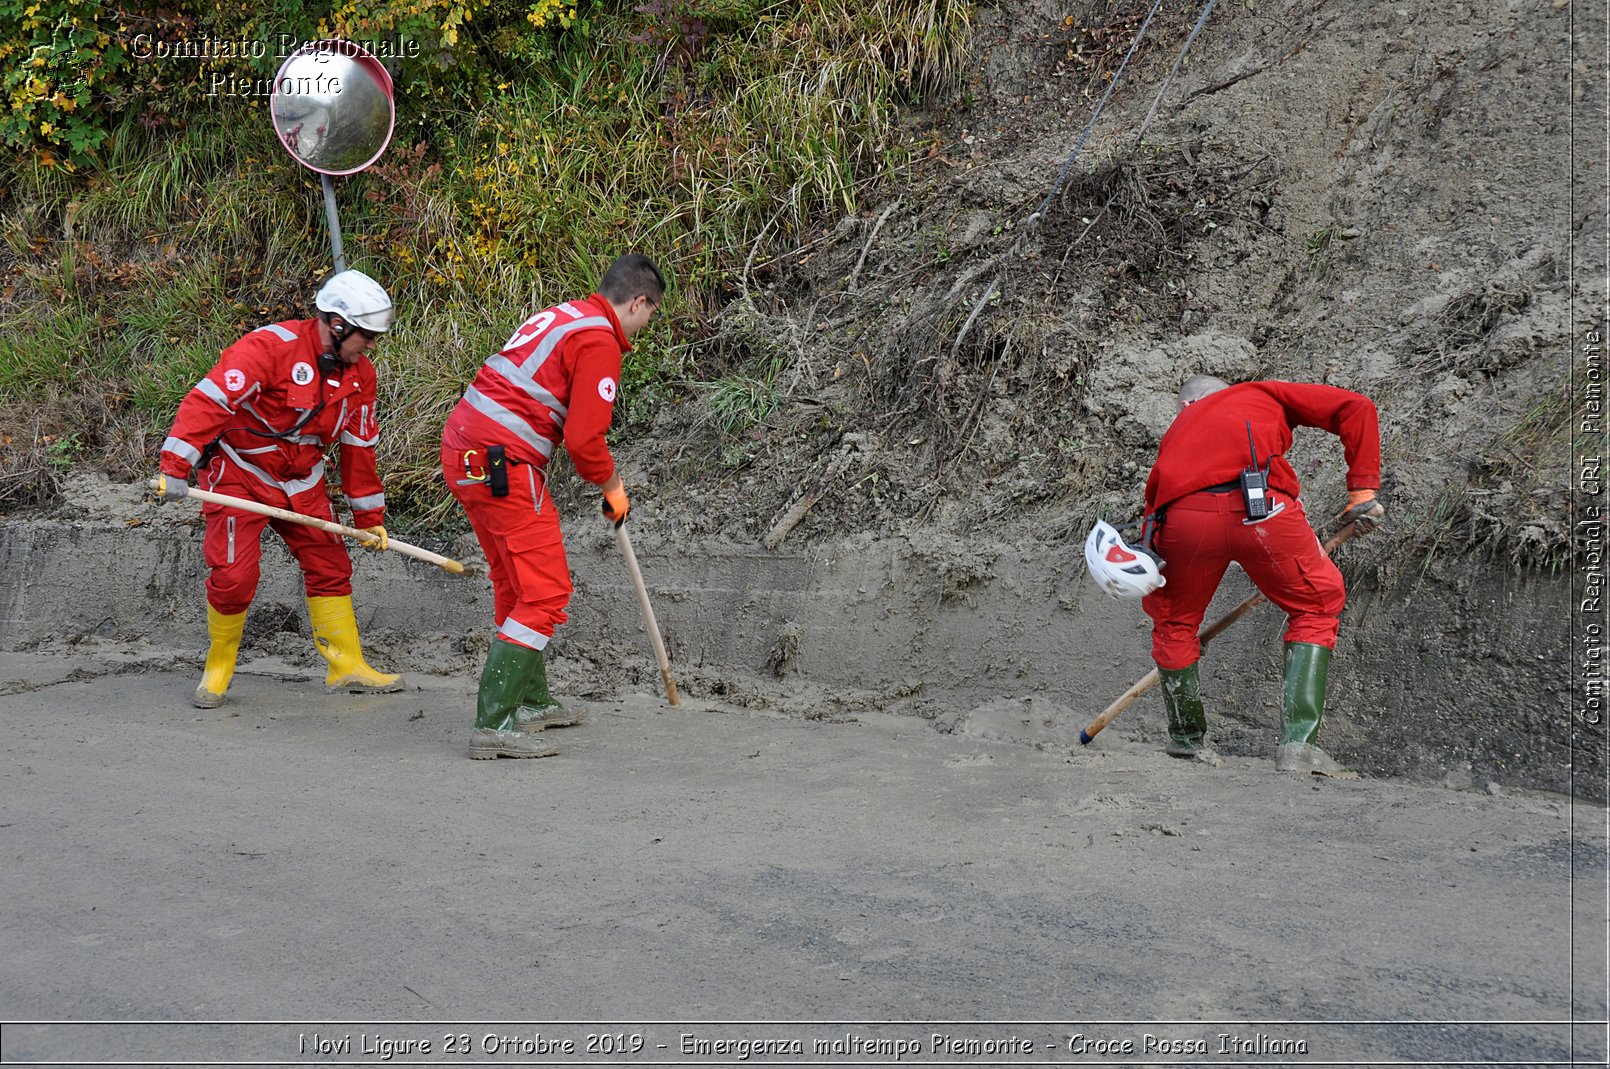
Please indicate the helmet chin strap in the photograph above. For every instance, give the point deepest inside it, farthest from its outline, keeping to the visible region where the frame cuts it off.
(329, 361)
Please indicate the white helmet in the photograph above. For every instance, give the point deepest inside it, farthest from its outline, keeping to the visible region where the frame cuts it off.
(359, 300)
(1120, 571)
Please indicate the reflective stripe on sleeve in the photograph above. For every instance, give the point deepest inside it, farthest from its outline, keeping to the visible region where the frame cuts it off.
(278, 331)
(181, 448)
(213, 392)
(364, 504)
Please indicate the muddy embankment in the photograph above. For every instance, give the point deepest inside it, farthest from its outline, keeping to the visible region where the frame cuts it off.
(1463, 683)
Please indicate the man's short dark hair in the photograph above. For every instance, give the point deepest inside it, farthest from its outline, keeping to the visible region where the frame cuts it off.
(631, 275)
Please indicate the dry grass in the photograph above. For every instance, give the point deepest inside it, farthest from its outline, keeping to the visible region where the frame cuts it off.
(125, 281)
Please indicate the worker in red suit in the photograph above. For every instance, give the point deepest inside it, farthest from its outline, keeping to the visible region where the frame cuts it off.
(1207, 519)
(554, 383)
(257, 427)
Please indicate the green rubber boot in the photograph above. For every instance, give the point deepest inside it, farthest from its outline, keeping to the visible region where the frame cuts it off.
(1303, 707)
(539, 709)
(503, 681)
(1187, 723)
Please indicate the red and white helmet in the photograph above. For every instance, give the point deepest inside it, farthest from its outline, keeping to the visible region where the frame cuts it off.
(1120, 571)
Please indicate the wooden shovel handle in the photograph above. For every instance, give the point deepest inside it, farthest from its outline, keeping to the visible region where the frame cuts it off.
(624, 540)
(245, 505)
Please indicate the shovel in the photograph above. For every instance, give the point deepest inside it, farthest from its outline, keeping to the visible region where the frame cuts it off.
(624, 540)
(445, 563)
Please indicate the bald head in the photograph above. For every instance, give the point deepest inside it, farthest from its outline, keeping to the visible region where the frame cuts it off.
(1199, 386)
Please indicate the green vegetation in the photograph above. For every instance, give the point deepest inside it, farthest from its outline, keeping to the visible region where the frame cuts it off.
(145, 225)
(1321, 254)
(738, 402)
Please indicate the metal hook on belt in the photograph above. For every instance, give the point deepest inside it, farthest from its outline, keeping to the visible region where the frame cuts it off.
(469, 470)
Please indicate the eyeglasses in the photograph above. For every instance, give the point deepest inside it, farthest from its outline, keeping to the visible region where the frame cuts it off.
(351, 329)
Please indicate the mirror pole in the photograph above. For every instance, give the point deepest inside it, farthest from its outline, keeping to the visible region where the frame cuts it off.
(334, 220)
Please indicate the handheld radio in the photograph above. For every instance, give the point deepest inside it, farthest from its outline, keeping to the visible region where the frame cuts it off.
(1255, 484)
(497, 470)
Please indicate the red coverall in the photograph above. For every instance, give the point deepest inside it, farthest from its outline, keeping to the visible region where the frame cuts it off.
(262, 387)
(554, 382)
(1202, 532)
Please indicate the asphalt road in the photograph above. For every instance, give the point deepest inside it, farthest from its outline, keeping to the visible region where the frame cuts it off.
(335, 867)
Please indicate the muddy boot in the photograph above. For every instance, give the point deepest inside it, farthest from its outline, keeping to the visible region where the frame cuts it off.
(1303, 704)
(224, 633)
(538, 709)
(503, 682)
(1187, 723)
(335, 632)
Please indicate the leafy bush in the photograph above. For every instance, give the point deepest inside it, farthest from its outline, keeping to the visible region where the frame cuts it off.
(62, 61)
(72, 68)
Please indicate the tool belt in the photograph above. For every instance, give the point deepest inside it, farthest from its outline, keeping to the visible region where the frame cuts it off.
(1222, 488)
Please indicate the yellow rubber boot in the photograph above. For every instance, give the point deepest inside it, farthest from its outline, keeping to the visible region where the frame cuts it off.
(224, 633)
(335, 631)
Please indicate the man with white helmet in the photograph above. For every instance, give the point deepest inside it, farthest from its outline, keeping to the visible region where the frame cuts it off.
(1221, 491)
(257, 426)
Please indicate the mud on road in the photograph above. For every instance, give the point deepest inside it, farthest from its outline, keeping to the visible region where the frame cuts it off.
(773, 850)
(873, 806)
(298, 857)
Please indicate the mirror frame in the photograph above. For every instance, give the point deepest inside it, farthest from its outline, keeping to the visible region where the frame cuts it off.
(366, 62)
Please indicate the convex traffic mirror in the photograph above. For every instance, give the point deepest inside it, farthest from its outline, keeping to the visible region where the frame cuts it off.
(332, 107)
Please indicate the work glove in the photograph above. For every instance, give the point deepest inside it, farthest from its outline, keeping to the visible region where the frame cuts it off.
(616, 504)
(1363, 511)
(170, 488)
(380, 537)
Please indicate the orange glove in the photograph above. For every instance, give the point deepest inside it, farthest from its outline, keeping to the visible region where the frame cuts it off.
(380, 540)
(616, 503)
(1363, 511)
